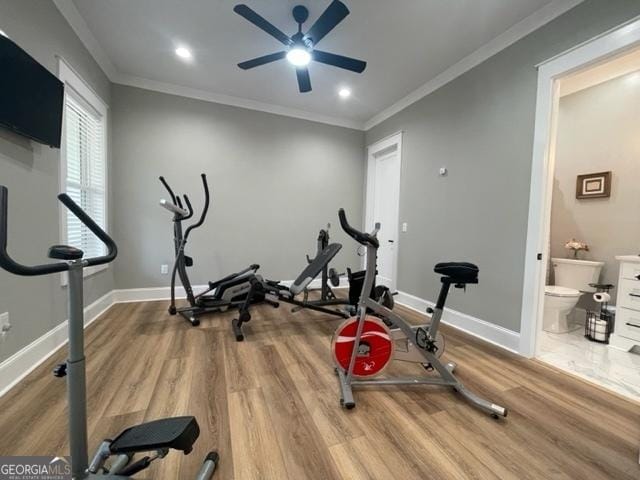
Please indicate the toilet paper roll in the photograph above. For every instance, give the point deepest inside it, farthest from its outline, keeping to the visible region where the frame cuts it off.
(601, 297)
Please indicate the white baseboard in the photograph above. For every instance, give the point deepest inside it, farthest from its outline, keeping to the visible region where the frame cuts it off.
(149, 294)
(500, 336)
(23, 362)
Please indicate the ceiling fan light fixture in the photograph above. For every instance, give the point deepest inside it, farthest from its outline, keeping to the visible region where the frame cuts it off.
(300, 48)
(184, 53)
(299, 57)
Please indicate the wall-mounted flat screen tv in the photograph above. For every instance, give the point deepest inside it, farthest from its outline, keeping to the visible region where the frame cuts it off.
(31, 97)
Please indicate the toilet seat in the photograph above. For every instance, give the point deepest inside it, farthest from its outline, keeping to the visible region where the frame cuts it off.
(558, 291)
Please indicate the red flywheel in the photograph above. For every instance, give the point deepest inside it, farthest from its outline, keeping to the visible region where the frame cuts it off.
(375, 349)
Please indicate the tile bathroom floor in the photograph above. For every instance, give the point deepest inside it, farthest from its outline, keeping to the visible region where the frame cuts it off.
(598, 363)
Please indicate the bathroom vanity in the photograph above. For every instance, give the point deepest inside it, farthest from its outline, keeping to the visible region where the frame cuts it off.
(627, 326)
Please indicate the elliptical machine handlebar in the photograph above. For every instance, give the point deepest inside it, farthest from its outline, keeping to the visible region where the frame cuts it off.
(166, 185)
(187, 202)
(205, 209)
(179, 209)
(7, 263)
(174, 209)
(362, 238)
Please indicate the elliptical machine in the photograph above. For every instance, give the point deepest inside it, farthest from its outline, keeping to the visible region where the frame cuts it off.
(228, 292)
(114, 458)
(364, 346)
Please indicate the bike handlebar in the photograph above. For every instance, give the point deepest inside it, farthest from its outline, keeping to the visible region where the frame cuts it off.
(360, 237)
(10, 265)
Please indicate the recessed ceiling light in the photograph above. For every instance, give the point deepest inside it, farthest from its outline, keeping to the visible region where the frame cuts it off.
(183, 52)
(298, 57)
(344, 93)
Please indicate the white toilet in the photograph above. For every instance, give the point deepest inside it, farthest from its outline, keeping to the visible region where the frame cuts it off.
(572, 280)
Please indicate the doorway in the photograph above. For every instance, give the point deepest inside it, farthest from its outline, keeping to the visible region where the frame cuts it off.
(384, 163)
(600, 49)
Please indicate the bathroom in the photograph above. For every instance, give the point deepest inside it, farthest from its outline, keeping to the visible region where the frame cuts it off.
(595, 229)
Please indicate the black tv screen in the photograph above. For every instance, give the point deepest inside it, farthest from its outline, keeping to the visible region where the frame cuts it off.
(31, 97)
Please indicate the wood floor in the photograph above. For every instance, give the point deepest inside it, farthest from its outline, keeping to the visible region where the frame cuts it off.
(270, 406)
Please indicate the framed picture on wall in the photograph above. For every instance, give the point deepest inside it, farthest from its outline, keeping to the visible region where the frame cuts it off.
(594, 185)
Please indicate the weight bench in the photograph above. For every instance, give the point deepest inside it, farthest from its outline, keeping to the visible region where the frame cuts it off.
(277, 292)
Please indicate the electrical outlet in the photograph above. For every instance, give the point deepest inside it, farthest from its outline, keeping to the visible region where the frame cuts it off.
(404, 227)
(164, 269)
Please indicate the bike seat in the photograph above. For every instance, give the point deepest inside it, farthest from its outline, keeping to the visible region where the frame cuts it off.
(458, 272)
(178, 433)
(65, 252)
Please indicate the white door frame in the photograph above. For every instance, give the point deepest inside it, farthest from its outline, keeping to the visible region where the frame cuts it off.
(394, 140)
(602, 47)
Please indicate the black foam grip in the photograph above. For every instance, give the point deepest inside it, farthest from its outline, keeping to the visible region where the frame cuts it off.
(112, 248)
(358, 236)
(6, 261)
(166, 185)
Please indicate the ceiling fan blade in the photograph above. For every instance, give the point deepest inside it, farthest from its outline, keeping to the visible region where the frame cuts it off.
(332, 16)
(304, 82)
(256, 62)
(339, 61)
(261, 23)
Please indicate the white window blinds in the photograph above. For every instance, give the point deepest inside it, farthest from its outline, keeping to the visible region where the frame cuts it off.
(85, 173)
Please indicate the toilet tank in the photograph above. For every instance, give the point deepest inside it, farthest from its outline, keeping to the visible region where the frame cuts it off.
(577, 274)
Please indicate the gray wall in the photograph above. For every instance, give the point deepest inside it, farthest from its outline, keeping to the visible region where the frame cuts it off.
(31, 172)
(598, 131)
(275, 180)
(481, 127)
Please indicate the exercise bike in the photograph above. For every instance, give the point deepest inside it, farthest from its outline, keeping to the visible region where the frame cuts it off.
(228, 292)
(364, 346)
(114, 458)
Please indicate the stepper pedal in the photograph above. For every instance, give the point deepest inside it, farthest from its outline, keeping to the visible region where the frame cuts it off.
(178, 433)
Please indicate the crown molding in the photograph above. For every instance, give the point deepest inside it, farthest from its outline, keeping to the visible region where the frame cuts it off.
(523, 28)
(71, 14)
(502, 41)
(207, 96)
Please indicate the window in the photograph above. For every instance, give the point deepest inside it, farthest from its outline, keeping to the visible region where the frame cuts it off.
(84, 162)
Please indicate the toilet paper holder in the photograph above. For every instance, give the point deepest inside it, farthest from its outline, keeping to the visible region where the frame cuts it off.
(599, 325)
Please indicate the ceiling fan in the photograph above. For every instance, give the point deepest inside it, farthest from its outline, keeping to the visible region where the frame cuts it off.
(301, 47)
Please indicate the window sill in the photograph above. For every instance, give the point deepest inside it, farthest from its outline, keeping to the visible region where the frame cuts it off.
(87, 272)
